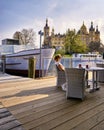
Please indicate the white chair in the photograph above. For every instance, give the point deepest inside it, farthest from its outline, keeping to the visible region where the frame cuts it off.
(75, 79)
(61, 78)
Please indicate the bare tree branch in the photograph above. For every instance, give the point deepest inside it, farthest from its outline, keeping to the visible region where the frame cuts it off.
(26, 36)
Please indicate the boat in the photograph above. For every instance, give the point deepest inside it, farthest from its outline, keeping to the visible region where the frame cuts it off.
(89, 56)
(17, 63)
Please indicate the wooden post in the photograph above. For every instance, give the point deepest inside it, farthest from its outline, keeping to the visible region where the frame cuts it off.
(31, 67)
(3, 63)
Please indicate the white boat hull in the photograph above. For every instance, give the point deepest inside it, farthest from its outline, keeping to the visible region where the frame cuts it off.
(17, 63)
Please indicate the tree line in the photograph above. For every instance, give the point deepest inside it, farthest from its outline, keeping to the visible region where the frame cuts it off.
(72, 43)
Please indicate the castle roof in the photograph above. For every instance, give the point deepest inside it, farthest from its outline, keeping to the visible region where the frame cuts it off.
(83, 29)
(97, 31)
(46, 26)
(91, 28)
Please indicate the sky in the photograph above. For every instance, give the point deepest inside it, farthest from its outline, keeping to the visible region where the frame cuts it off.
(16, 15)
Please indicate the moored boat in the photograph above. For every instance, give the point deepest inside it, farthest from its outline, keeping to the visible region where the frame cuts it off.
(17, 63)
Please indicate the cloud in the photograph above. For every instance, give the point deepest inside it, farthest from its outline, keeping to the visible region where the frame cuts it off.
(52, 7)
(61, 15)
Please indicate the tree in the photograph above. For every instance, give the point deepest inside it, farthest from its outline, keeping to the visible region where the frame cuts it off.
(101, 48)
(96, 47)
(18, 36)
(73, 44)
(60, 51)
(26, 36)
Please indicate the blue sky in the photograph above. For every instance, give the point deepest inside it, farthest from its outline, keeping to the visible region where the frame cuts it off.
(62, 14)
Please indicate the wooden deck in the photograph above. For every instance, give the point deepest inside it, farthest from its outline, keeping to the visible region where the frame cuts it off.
(38, 105)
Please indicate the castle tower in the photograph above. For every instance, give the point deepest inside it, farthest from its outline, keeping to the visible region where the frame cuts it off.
(83, 29)
(52, 33)
(83, 34)
(97, 35)
(91, 33)
(46, 33)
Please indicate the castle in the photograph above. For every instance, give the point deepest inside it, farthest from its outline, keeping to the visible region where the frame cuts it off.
(57, 40)
(87, 37)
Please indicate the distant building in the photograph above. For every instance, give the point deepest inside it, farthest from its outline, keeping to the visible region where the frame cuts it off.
(57, 40)
(92, 36)
(10, 42)
(53, 40)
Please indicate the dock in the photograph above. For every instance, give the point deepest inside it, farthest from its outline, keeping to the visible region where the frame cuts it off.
(36, 104)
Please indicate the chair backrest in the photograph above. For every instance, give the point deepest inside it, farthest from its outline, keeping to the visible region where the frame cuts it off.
(61, 78)
(75, 78)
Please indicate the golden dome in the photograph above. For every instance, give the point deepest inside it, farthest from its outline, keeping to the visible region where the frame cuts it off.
(83, 29)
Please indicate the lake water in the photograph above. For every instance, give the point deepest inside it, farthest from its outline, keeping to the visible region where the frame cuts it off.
(74, 62)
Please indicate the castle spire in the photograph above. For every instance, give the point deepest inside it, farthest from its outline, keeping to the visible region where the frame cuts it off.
(52, 33)
(46, 22)
(91, 28)
(97, 31)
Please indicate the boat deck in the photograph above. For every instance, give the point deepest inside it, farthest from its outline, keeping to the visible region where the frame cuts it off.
(39, 105)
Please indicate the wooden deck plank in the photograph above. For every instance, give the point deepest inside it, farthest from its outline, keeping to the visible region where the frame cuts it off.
(27, 102)
(58, 106)
(91, 121)
(40, 109)
(10, 125)
(24, 81)
(38, 106)
(17, 89)
(46, 109)
(1, 106)
(18, 128)
(8, 121)
(83, 108)
(60, 117)
(3, 110)
(80, 118)
(77, 120)
(5, 114)
(99, 126)
(35, 99)
(20, 86)
(38, 115)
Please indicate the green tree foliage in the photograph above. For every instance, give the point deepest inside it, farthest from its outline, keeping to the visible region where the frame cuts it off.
(96, 47)
(73, 44)
(60, 51)
(101, 48)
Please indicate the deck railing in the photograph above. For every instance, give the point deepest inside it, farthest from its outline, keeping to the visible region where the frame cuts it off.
(70, 63)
